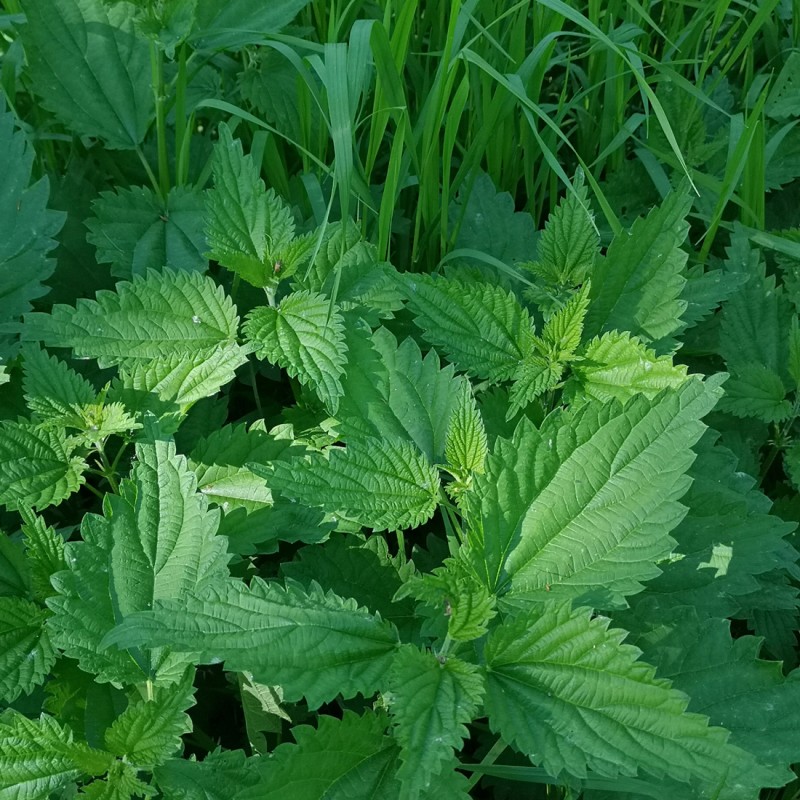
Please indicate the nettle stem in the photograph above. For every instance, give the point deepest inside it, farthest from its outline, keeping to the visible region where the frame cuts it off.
(157, 69)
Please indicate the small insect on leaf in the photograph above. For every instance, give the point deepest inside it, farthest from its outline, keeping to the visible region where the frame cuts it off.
(277, 266)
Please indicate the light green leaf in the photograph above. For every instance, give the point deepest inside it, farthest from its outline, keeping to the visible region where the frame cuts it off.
(466, 447)
(562, 332)
(533, 377)
(564, 689)
(38, 757)
(305, 337)
(384, 484)
(53, 391)
(458, 595)
(569, 244)
(313, 644)
(230, 24)
(250, 230)
(391, 390)
(135, 231)
(602, 496)
(210, 779)
(26, 655)
(481, 328)
(148, 732)
(90, 68)
(754, 390)
(159, 316)
(37, 468)
(156, 541)
(121, 783)
(637, 286)
(178, 380)
(618, 366)
(27, 227)
(431, 704)
(219, 462)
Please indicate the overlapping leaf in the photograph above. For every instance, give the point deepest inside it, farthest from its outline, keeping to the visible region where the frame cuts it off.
(314, 644)
(37, 467)
(157, 540)
(38, 757)
(148, 732)
(481, 328)
(564, 689)
(598, 499)
(305, 337)
(158, 316)
(391, 390)
(637, 287)
(250, 230)
(26, 655)
(135, 231)
(433, 701)
(220, 460)
(90, 68)
(27, 226)
(380, 483)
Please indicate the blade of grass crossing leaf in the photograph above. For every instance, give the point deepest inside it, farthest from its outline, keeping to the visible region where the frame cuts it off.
(737, 159)
(390, 192)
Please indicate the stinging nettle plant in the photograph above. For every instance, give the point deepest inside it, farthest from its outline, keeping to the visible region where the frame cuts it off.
(481, 518)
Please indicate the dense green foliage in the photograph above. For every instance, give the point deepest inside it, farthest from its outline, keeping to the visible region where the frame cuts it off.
(399, 399)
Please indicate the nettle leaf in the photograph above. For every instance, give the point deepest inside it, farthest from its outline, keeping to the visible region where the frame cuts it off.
(488, 222)
(159, 316)
(726, 539)
(363, 570)
(563, 689)
(121, 783)
(156, 541)
(594, 505)
(148, 732)
(304, 335)
(391, 390)
(26, 655)
(52, 389)
(459, 596)
(250, 230)
(27, 227)
(219, 461)
(637, 286)
(228, 25)
(569, 244)
(701, 659)
(351, 757)
(38, 757)
(15, 577)
(210, 779)
(756, 391)
(431, 704)
(466, 445)
(383, 484)
(481, 328)
(90, 68)
(619, 366)
(37, 466)
(756, 327)
(312, 643)
(533, 377)
(134, 231)
(44, 554)
(562, 332)
(177, 380)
